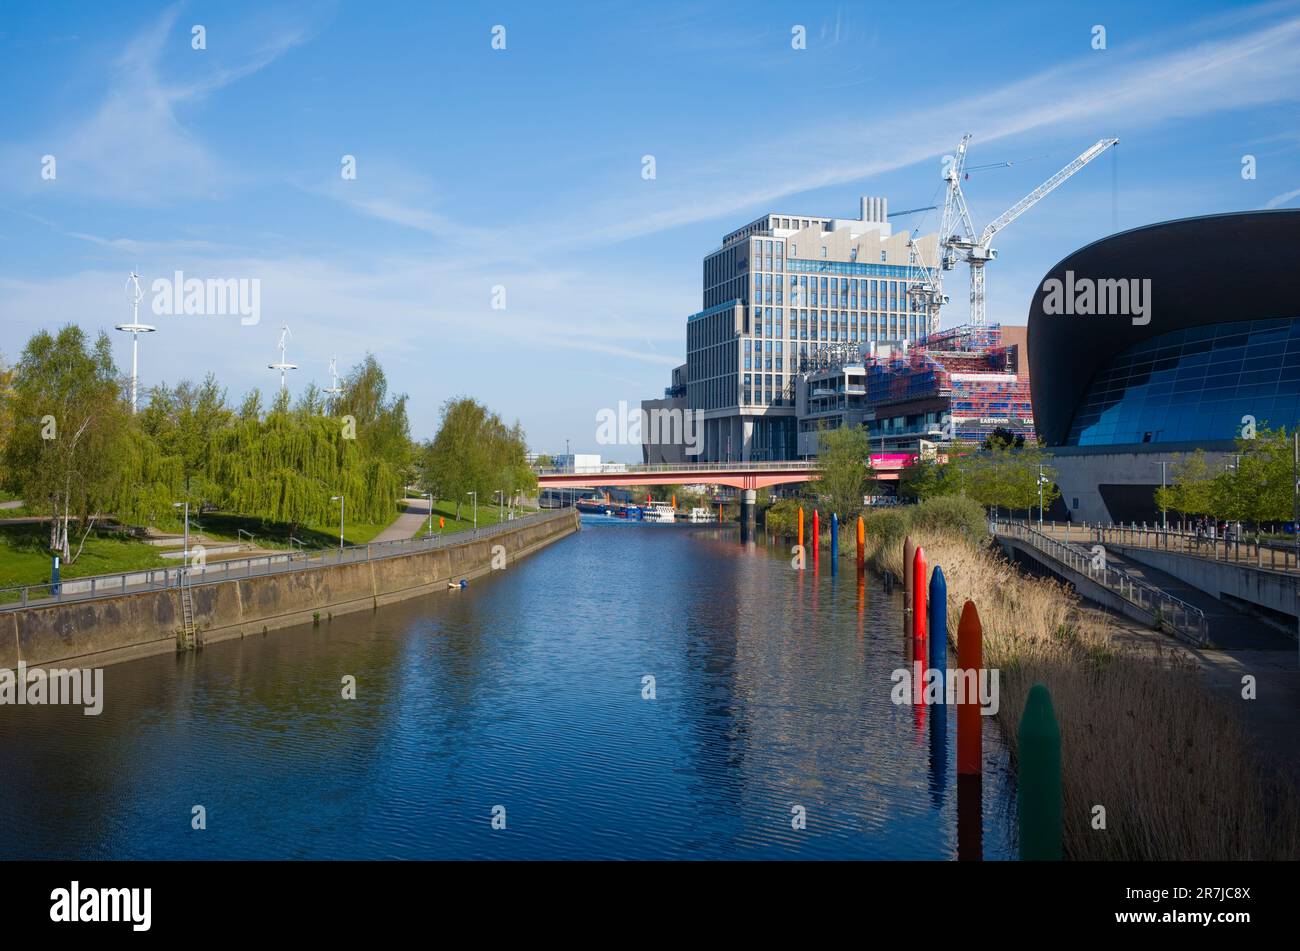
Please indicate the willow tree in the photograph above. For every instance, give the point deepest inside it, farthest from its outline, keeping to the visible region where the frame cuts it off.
(181, 423)
(378, 418)
(64, 455)
(149, 482)
(286, 467)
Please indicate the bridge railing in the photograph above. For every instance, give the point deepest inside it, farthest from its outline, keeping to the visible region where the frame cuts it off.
(1233, 547)
(157, 579)
(782, 465)
(1185, 619)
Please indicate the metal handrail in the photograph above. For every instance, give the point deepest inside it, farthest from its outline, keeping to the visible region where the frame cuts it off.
(1183, 617)
(159, 579)
(793, 465)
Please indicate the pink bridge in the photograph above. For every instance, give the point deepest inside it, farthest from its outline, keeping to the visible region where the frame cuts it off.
(741, 475)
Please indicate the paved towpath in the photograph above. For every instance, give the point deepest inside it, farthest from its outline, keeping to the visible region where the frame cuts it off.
(408, 523)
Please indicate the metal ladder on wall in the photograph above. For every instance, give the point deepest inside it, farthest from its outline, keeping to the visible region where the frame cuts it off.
(186, 637)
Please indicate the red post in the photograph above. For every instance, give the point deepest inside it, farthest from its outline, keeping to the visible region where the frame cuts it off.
(816, 537)
(970, 654)
(919, 585)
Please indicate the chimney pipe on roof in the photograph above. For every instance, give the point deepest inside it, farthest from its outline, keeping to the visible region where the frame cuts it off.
(874, 209)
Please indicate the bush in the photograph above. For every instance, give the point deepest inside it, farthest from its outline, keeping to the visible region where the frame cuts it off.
(783, 518)
(887, 526)
(950, 513)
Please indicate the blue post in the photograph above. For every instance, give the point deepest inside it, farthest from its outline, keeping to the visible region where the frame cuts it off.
(938, 620)
(835, 542)
(938, 661)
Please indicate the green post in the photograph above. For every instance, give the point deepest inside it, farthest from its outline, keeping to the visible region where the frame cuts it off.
(1040, 779)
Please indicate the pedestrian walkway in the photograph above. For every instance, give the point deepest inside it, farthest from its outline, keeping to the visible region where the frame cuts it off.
(408, 523)
(1230, 629)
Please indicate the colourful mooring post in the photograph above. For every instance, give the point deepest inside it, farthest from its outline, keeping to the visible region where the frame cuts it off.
(835, 542)
(909, 552)
(862, 545)
(939, 625)
(919, 593)
(816, 537)
(970, 657)
(801, 527)
(938, 637)
(1039, 783)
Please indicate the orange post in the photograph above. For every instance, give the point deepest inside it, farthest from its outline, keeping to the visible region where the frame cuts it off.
(674, 501)
(719, 513)
(970, 654)
(862, 543)
(801, 526)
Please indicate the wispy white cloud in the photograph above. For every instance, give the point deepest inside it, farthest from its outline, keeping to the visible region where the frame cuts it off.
(133, 146)
(1214, 70)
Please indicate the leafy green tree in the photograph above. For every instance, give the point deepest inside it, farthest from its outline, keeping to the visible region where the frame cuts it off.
(382, 426)
(930, 478)
(6, 408)
(251, 407)
(844, 469)
(1259, 487)
(1005, 477)
(474, 451)
(65, 454)
(1003, 438)
(782, 519)
(286, 467)
(1191, 487)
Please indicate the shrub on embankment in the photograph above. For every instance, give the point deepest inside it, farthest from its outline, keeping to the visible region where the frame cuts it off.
(1140, 735)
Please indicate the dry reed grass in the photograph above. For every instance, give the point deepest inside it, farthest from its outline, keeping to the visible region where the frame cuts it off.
(1139, 733)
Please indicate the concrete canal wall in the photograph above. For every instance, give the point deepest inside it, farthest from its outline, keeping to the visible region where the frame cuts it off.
(123, 627)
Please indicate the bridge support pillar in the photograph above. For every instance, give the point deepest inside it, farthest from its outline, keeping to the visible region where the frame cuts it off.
(748, 499)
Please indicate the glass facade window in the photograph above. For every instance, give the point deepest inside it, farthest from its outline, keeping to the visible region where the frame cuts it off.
(1195, 384)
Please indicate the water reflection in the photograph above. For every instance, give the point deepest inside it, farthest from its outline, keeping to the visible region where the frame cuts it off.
(772, 690)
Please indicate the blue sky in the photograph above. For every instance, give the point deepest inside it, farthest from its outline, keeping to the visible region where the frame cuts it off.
(522, 167)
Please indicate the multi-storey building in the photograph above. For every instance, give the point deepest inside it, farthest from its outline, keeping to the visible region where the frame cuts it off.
(777, 291)
(960, 384)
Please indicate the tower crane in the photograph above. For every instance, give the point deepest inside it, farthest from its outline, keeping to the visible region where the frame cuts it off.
(958, 238)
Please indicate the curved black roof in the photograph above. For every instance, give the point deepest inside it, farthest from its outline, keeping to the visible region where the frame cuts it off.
(1210, 270)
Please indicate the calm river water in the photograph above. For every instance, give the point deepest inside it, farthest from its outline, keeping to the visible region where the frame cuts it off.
(772, 700)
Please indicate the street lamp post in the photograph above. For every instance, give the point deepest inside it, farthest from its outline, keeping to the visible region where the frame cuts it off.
(342, 505)
(501, 504)
(1042, 480)
(429, 496)
(475, 494)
